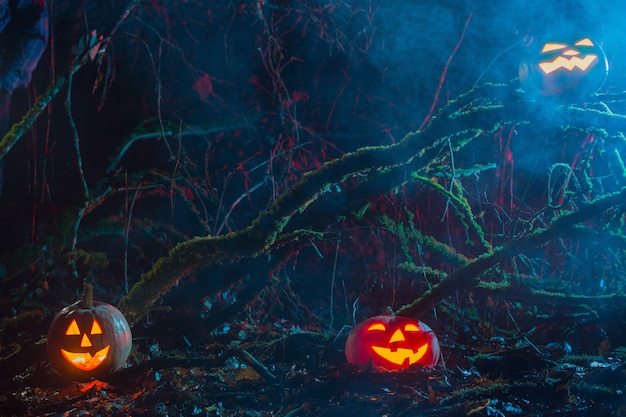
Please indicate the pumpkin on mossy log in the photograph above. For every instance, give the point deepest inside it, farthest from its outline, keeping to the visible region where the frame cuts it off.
(88, 339)
(392, 342)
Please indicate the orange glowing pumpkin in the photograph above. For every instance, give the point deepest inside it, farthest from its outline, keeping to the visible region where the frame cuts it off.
(573, 67)
(88, 339)
(392, 342)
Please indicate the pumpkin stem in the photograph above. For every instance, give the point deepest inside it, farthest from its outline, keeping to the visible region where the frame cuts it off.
(87, 295)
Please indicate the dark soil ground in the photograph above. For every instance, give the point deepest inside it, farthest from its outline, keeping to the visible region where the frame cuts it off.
(243, 370)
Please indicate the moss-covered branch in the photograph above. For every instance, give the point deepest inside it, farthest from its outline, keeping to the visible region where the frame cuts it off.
(19, 129)
(419, 152)
(416, 149)
(466, 276)
(257, 238)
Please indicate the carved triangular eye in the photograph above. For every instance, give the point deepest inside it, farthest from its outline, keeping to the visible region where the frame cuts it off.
(549, 47)
(397, 336)
(376, 326)
(72, 329)
(584, 42)
(96, 329)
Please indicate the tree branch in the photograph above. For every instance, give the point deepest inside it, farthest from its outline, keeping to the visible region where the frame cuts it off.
(418, 151)
(466, 276)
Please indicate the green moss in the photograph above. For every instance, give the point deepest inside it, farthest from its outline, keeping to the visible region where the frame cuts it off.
(19, 129)
(493, 285)
(399, 230)
(433, 275)
(358, 215)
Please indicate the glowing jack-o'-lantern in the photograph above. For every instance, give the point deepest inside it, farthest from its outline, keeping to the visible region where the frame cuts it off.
(392, 342)
(576, 67)
(88, 339)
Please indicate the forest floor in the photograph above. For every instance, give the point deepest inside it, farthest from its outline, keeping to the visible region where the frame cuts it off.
(289, 372)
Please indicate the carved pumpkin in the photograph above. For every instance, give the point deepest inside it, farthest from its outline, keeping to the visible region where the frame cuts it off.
(570, 67)
(392, 342)
(88, 339)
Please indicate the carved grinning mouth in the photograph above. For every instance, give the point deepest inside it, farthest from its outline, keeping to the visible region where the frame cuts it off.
(84, 360)
(399, 355)
(568, 63)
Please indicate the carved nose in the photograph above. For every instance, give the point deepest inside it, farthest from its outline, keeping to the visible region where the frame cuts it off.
(85, 342)
(397, 336)
(571, 52)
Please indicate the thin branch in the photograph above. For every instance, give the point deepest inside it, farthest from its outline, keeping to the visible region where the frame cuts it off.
(224, 126)
(75, 136)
